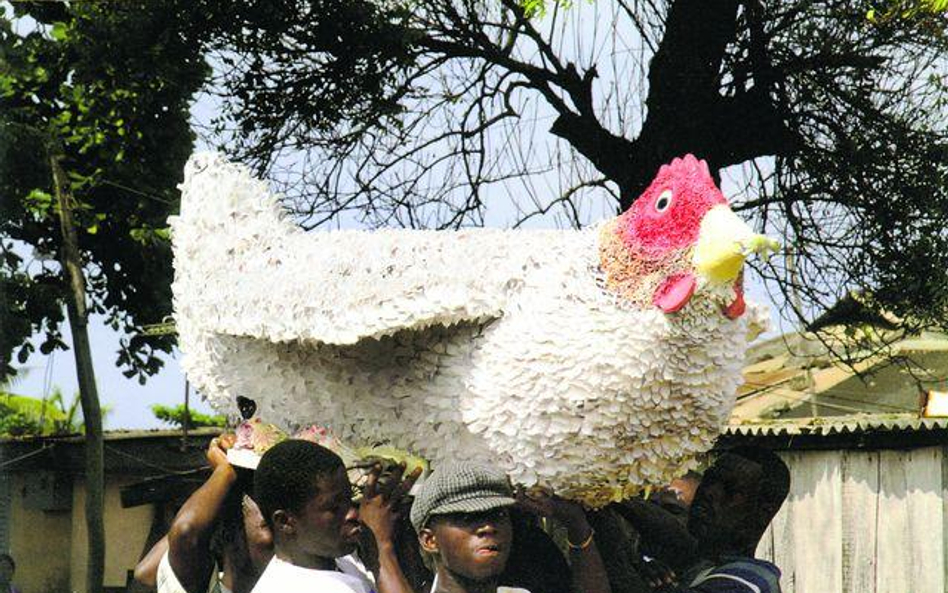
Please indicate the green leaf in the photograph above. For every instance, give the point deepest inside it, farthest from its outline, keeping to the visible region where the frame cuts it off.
(534, 8)
(150, 236)
(59, 32)
(6, 85)
(38, 202)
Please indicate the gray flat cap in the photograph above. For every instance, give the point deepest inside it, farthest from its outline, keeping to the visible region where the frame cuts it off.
(460, 488)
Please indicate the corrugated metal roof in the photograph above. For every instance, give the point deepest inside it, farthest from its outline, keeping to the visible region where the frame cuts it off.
(117, 435)
(841, 425)
(795, 376)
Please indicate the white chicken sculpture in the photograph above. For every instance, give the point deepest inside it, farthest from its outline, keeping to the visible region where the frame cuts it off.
(592, 362)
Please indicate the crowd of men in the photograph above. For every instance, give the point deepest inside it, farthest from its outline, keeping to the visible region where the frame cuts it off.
(295, 526)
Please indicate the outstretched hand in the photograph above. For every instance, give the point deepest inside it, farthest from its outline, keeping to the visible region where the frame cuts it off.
(217, 449)
(589, 573)
(382, 501)
(546, 504)
(656, 573)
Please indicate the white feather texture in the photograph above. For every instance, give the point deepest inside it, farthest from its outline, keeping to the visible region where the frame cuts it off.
(494, 345)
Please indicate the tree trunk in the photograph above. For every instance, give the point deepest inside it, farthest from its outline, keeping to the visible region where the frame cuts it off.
(88, 393)
(687, 111)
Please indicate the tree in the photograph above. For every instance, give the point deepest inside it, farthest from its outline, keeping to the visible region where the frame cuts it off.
(909, 9)
(21, 415)
(115, 105)
(93, 138)
(426, 114)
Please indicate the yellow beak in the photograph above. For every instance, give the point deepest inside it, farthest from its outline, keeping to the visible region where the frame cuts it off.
(724, 242)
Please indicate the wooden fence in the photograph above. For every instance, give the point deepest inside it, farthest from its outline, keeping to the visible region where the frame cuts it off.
(863, 521)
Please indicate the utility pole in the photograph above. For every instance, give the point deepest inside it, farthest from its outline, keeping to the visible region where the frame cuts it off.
(88, 393)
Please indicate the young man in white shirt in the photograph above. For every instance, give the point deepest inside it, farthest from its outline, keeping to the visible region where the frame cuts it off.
(217, 528)
(306, 498)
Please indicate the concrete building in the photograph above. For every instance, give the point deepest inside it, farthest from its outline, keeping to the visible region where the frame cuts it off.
(42, 501)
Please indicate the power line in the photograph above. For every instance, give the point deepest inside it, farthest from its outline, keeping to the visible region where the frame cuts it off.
(146, 463)
(801, 399)
(800, 396)
(26, 456)
(138, 192)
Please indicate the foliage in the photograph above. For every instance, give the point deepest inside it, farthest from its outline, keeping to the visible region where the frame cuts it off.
(180, 415)
(21, 415)
(107, 86)
(909, 9)
(538, 8)
(305, 72)
(832, 126)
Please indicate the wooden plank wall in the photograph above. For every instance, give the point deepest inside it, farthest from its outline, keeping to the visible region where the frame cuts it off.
(863, 522)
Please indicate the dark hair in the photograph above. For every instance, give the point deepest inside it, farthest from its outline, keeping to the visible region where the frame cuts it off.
(775, 482)
(9, 559)
(287, 475)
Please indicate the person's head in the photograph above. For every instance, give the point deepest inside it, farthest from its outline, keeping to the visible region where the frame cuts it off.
(305, 498)
(737, 498)
(241, 542)
(256, 533)
(685, 487)
(241, 538)
(7, 568)
(461, 514)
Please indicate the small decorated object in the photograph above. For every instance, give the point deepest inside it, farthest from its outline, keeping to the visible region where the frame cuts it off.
(386, 455)
(254, 437)
(591, 362)
(322, 436)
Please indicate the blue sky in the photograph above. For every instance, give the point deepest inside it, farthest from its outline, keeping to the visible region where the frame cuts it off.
(128, 400)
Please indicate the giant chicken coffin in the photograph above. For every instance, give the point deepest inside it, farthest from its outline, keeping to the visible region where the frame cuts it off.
(592, 362)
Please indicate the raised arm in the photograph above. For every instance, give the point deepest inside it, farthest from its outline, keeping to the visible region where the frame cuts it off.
(146, 570)
(189, 539)
(588, 570)
(666, 532)
(379, 512)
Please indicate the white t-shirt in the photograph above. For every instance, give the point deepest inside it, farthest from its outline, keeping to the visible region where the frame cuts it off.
(434, 585)
(283, 577)
(165, 580)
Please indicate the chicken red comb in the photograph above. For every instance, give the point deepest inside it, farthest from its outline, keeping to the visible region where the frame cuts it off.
(686, 167)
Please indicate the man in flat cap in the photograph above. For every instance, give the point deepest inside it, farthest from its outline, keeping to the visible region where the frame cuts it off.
(462, 516)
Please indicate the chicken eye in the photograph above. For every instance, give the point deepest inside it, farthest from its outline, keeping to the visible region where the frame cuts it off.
(663, 201)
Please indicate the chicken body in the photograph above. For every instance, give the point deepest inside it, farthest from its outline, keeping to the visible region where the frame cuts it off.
(512, 347)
